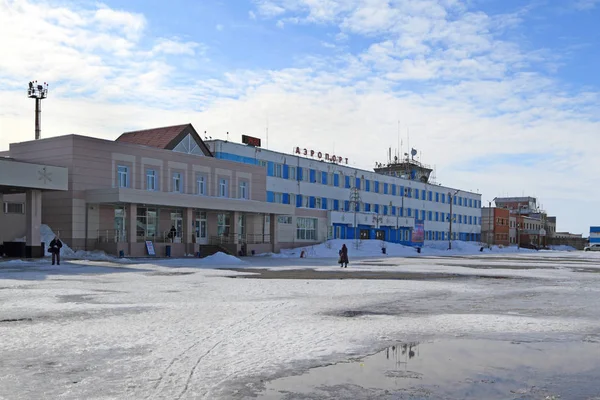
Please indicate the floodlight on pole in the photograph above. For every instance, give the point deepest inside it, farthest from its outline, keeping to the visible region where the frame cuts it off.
(38, 92)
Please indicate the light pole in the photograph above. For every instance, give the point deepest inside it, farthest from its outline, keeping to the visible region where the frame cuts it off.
(355, 201)
(39, 93)
(451, 197)
(491, 228)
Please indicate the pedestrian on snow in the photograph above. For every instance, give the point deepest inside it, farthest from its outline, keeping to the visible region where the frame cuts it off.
(344, 257)
(172, 233)
(55, 246)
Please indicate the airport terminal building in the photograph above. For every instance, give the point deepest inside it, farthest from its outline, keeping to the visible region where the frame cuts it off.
(168, 190)
(395, 202)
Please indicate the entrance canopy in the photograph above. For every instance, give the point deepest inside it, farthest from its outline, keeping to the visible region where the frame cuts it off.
(19, 177)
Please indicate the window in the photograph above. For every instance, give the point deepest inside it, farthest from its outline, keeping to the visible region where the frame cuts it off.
(14, 208)
(223, 224)
(284, 219)
(262, 163)
(223, 188)
(243, 193)
(123, 176)
(306, 228)
(146, 223)
(278, 198)
(150, 179)
(177, 184)
(292, 173)
(278, 170)
(318, 203)
(201, 185)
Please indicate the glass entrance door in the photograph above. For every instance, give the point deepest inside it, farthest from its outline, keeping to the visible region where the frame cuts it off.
(200, 228)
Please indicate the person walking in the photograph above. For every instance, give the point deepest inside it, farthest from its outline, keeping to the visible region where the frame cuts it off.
(55, 246)
(344, 257)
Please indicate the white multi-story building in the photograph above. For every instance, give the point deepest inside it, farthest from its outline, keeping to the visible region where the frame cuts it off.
(339, 201)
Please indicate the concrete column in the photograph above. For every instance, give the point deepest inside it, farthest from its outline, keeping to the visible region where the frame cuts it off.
(188, 225)
(131, 224)
(273, 232)
(235, 227)
(33, 218)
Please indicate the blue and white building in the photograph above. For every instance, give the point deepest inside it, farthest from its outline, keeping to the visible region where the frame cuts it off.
(594, 234)
(395, 202)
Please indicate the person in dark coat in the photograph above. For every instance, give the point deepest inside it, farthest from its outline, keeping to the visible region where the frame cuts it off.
(344, 257)
(172, 233)
(55, 246)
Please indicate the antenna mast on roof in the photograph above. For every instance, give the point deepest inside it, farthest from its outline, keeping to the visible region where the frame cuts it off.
(267, 131)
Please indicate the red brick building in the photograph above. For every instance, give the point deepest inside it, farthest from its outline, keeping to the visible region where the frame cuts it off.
(495, 226)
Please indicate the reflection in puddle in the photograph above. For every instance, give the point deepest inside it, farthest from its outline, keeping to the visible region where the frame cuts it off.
(455, 369)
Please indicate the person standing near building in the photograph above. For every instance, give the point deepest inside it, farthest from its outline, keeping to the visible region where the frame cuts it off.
(344, 256)
(172, 233)
(55, 246)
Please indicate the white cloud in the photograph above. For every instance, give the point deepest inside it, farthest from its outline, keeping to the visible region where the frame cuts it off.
(280, 24)
(219, 27)
(130, 24)
(168, 46)
(586, 4)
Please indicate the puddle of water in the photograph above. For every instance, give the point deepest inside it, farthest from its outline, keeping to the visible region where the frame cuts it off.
(455, 369)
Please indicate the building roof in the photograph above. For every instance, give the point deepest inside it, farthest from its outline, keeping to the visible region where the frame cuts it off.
(164, 138)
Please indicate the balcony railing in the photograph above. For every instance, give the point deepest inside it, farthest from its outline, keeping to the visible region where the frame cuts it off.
(246, 238)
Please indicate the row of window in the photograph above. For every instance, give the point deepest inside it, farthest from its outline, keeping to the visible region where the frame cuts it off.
(442, 235)
(177, 185)
(323, 203)
(285, 171)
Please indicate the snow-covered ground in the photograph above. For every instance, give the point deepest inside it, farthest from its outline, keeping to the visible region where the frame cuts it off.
(183, 329)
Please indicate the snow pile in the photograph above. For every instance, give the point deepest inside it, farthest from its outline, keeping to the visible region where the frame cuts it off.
(370, 248)
(563, 247)
(47, 235)
(220, 259)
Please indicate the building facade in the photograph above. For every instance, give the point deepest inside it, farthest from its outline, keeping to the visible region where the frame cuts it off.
(22, 185)
(495, 226)
(161, 186)
(594, 234)
(350, 203)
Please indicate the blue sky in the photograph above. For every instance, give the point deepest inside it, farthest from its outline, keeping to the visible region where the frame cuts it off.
(495, 94)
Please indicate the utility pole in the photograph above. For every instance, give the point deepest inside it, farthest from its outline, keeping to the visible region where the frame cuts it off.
(451, 197)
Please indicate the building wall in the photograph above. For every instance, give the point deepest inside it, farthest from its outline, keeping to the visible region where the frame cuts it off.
(93, 164)
(594, 234)
(281, 183)
(12, 224)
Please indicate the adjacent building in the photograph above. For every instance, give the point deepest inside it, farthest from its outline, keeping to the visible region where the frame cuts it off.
(594, 234)
(495, 226)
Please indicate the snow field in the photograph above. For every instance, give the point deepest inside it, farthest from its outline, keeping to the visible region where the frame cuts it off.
(152, 332)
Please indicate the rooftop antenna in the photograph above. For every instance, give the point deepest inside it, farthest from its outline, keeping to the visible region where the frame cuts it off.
(398, 149)
(39, 93)
(228, 136)
(205, 137)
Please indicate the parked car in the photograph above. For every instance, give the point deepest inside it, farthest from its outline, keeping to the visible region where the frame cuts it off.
(592, 247)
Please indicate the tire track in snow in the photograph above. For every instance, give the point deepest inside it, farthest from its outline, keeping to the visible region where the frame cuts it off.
(161, 385)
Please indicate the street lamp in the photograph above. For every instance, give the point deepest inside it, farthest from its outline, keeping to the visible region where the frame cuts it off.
(451, 198)
(491, 229)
